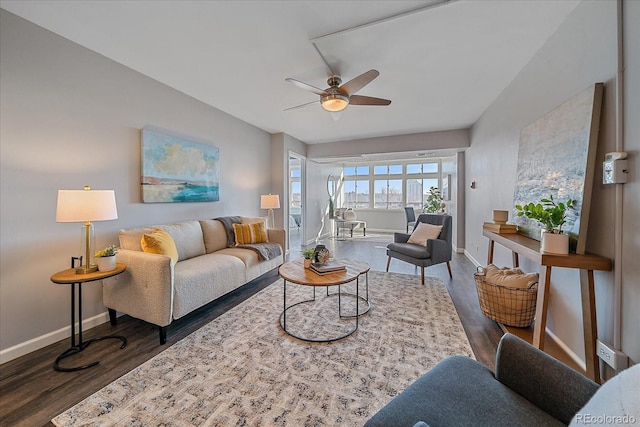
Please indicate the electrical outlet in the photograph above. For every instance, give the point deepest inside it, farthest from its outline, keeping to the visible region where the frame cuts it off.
(612, 357)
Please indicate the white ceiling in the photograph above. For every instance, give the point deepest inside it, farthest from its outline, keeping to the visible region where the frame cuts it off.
(441, 66)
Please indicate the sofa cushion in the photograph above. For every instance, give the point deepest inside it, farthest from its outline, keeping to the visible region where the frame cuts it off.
(159, 242)
(130, 238)
(215, 236)
(188, 238)
(247, 256)
(424, 232)
(247, 234)
(202, 279)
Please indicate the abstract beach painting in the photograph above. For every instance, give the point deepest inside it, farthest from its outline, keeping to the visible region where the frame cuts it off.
(556, 157)
(175, 169)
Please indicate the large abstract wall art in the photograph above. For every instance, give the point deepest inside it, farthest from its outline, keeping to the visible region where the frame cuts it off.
(175, 169)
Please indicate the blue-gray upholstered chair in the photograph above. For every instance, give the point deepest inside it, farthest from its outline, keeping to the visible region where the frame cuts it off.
(437, 250)
(411, 217)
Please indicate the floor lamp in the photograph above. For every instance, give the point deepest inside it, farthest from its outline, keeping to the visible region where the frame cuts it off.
(271, 202)
(85, 206)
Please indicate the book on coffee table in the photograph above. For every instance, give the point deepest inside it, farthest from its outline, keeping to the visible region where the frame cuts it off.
(330, 267)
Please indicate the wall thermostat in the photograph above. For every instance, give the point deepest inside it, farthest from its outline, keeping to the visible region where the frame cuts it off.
(615, 168)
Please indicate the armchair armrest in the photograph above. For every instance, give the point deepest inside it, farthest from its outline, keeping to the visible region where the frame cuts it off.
(400, 237)
(541, 379)
(439, 250)
(144, 290)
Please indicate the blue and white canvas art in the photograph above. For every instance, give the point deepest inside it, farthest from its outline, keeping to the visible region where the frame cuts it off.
(175, 169)
(556, 157)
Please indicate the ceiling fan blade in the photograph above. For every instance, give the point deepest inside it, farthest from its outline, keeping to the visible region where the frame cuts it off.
(355, 84)
(308, 87)
(367, 100)
(301, 105)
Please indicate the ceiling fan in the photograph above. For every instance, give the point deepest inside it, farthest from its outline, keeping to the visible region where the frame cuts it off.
(336, 97)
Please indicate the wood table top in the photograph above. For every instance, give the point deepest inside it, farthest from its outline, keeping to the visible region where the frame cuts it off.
(530, 249)
(294, 271)
(69, 276)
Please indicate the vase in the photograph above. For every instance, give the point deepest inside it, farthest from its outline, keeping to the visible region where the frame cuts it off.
(106, 263)
(553, 243)
(350, 215)
(307, 263)
(321, 254)
(500, 217)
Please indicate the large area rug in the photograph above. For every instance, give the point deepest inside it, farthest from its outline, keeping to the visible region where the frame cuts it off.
(241, 369)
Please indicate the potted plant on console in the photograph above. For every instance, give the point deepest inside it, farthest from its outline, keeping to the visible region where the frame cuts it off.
(552, 215)
(106, 258)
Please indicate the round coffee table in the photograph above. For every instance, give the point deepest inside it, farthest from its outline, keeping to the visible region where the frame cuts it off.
(294, 272)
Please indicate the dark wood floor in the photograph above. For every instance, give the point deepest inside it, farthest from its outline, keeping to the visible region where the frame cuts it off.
(31, 392)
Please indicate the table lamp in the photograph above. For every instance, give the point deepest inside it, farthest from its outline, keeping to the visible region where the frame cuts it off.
(271, 202)
(85, 206)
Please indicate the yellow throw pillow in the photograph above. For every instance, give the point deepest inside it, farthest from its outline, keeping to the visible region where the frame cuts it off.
(424, 232)
(160, 242)
(250, 233)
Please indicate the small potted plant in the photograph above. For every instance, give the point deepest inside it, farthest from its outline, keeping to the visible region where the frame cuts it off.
(106, 258)
(308, 254)
(434, 202)
(552, 216)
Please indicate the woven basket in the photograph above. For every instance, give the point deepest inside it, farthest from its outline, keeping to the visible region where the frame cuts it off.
(510, 306)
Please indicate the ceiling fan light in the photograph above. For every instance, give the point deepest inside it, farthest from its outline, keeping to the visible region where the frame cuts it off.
(334, 102)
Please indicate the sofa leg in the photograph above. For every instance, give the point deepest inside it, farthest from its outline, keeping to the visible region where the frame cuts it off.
(112, 317)
(449, 267)
(388, 262)
(422, 275)
(163, 334)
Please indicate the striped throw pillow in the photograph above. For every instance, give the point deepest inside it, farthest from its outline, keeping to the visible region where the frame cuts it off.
(250, 233)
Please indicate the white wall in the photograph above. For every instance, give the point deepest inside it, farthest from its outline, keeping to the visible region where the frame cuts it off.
(71, 117)
(581, 53)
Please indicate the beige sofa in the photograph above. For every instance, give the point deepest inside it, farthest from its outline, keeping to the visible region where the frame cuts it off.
(154, 290)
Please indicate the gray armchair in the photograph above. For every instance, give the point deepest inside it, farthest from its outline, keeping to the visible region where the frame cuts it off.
(437, 250)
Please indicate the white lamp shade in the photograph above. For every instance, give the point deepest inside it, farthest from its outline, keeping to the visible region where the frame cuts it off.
(269, 201)
(86, 205)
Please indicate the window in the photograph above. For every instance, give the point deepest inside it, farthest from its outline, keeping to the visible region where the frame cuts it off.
(356, 170)
(418, 191)
(356, 194)
(393, 185)
(387, 169)
(388, 194)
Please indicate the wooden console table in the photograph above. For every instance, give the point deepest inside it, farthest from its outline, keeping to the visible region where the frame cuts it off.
(530, 249)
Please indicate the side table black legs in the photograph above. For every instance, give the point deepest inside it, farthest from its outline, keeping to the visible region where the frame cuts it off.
(80, 345)
(72, 278)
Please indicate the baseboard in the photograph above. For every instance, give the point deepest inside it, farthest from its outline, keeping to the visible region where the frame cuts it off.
(472, 259)
(567, 350)
(42, 341)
